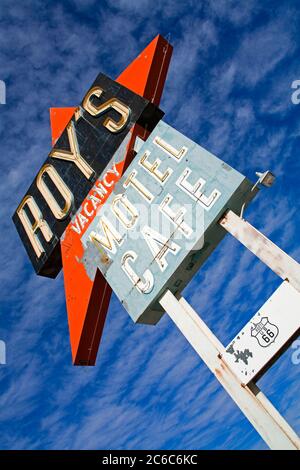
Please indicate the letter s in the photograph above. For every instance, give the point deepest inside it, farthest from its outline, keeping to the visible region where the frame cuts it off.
(296, 95)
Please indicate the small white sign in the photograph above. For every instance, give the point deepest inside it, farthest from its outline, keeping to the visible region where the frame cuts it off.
(265, 334)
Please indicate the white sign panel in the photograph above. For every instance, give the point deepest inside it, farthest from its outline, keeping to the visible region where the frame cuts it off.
(160, 222)
(265, 334)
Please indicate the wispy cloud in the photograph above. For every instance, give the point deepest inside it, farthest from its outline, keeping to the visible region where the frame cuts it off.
(228, 89)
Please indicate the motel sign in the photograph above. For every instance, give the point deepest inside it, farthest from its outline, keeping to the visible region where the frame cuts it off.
(126, 203)
(188, 189)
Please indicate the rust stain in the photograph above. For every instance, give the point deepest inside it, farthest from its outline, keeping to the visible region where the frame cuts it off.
(248, 410)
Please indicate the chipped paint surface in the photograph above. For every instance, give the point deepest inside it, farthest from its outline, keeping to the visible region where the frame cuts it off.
(252, 402)
(171, 176)
(265, 334)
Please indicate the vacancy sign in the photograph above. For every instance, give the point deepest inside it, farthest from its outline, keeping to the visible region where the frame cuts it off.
(266, 334)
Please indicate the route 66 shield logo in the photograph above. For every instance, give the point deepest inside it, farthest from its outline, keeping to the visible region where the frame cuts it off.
(265, 332)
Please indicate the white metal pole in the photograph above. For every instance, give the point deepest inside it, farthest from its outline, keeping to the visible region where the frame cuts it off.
(268, 422)
(280, 262)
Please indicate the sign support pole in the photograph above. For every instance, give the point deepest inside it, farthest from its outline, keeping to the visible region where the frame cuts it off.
(264, 417)
(280, 262)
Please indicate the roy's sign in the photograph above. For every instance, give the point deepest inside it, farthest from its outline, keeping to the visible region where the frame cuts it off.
(106, 115)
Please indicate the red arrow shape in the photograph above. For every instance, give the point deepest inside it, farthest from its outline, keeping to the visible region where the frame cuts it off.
(88, 300)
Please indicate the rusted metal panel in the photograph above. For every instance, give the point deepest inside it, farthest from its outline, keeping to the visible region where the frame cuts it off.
(266, 334)
(256, 407)
(269, 253)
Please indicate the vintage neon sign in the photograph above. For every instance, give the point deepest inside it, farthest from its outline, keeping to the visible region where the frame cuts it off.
(105, 239)
(107, 114)
(88, 299)
(58, 216)
(75, 191)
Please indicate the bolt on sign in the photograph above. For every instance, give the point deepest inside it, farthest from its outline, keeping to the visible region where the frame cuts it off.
(266, 335)
(98, 127)
(161, 221)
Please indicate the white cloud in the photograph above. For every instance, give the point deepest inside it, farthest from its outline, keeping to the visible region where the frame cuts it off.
(149, 388)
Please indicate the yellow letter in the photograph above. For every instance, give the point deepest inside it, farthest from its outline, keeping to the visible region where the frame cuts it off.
(73, 155)
(112, 103)
(38, 224)
(58, 212)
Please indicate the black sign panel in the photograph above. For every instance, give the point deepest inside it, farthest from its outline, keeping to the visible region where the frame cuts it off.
(95, 132)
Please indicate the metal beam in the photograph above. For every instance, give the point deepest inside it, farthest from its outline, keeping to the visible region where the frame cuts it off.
(267, 421)
(269, 253)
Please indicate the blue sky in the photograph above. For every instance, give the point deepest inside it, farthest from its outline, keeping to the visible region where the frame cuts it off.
(229, 89)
